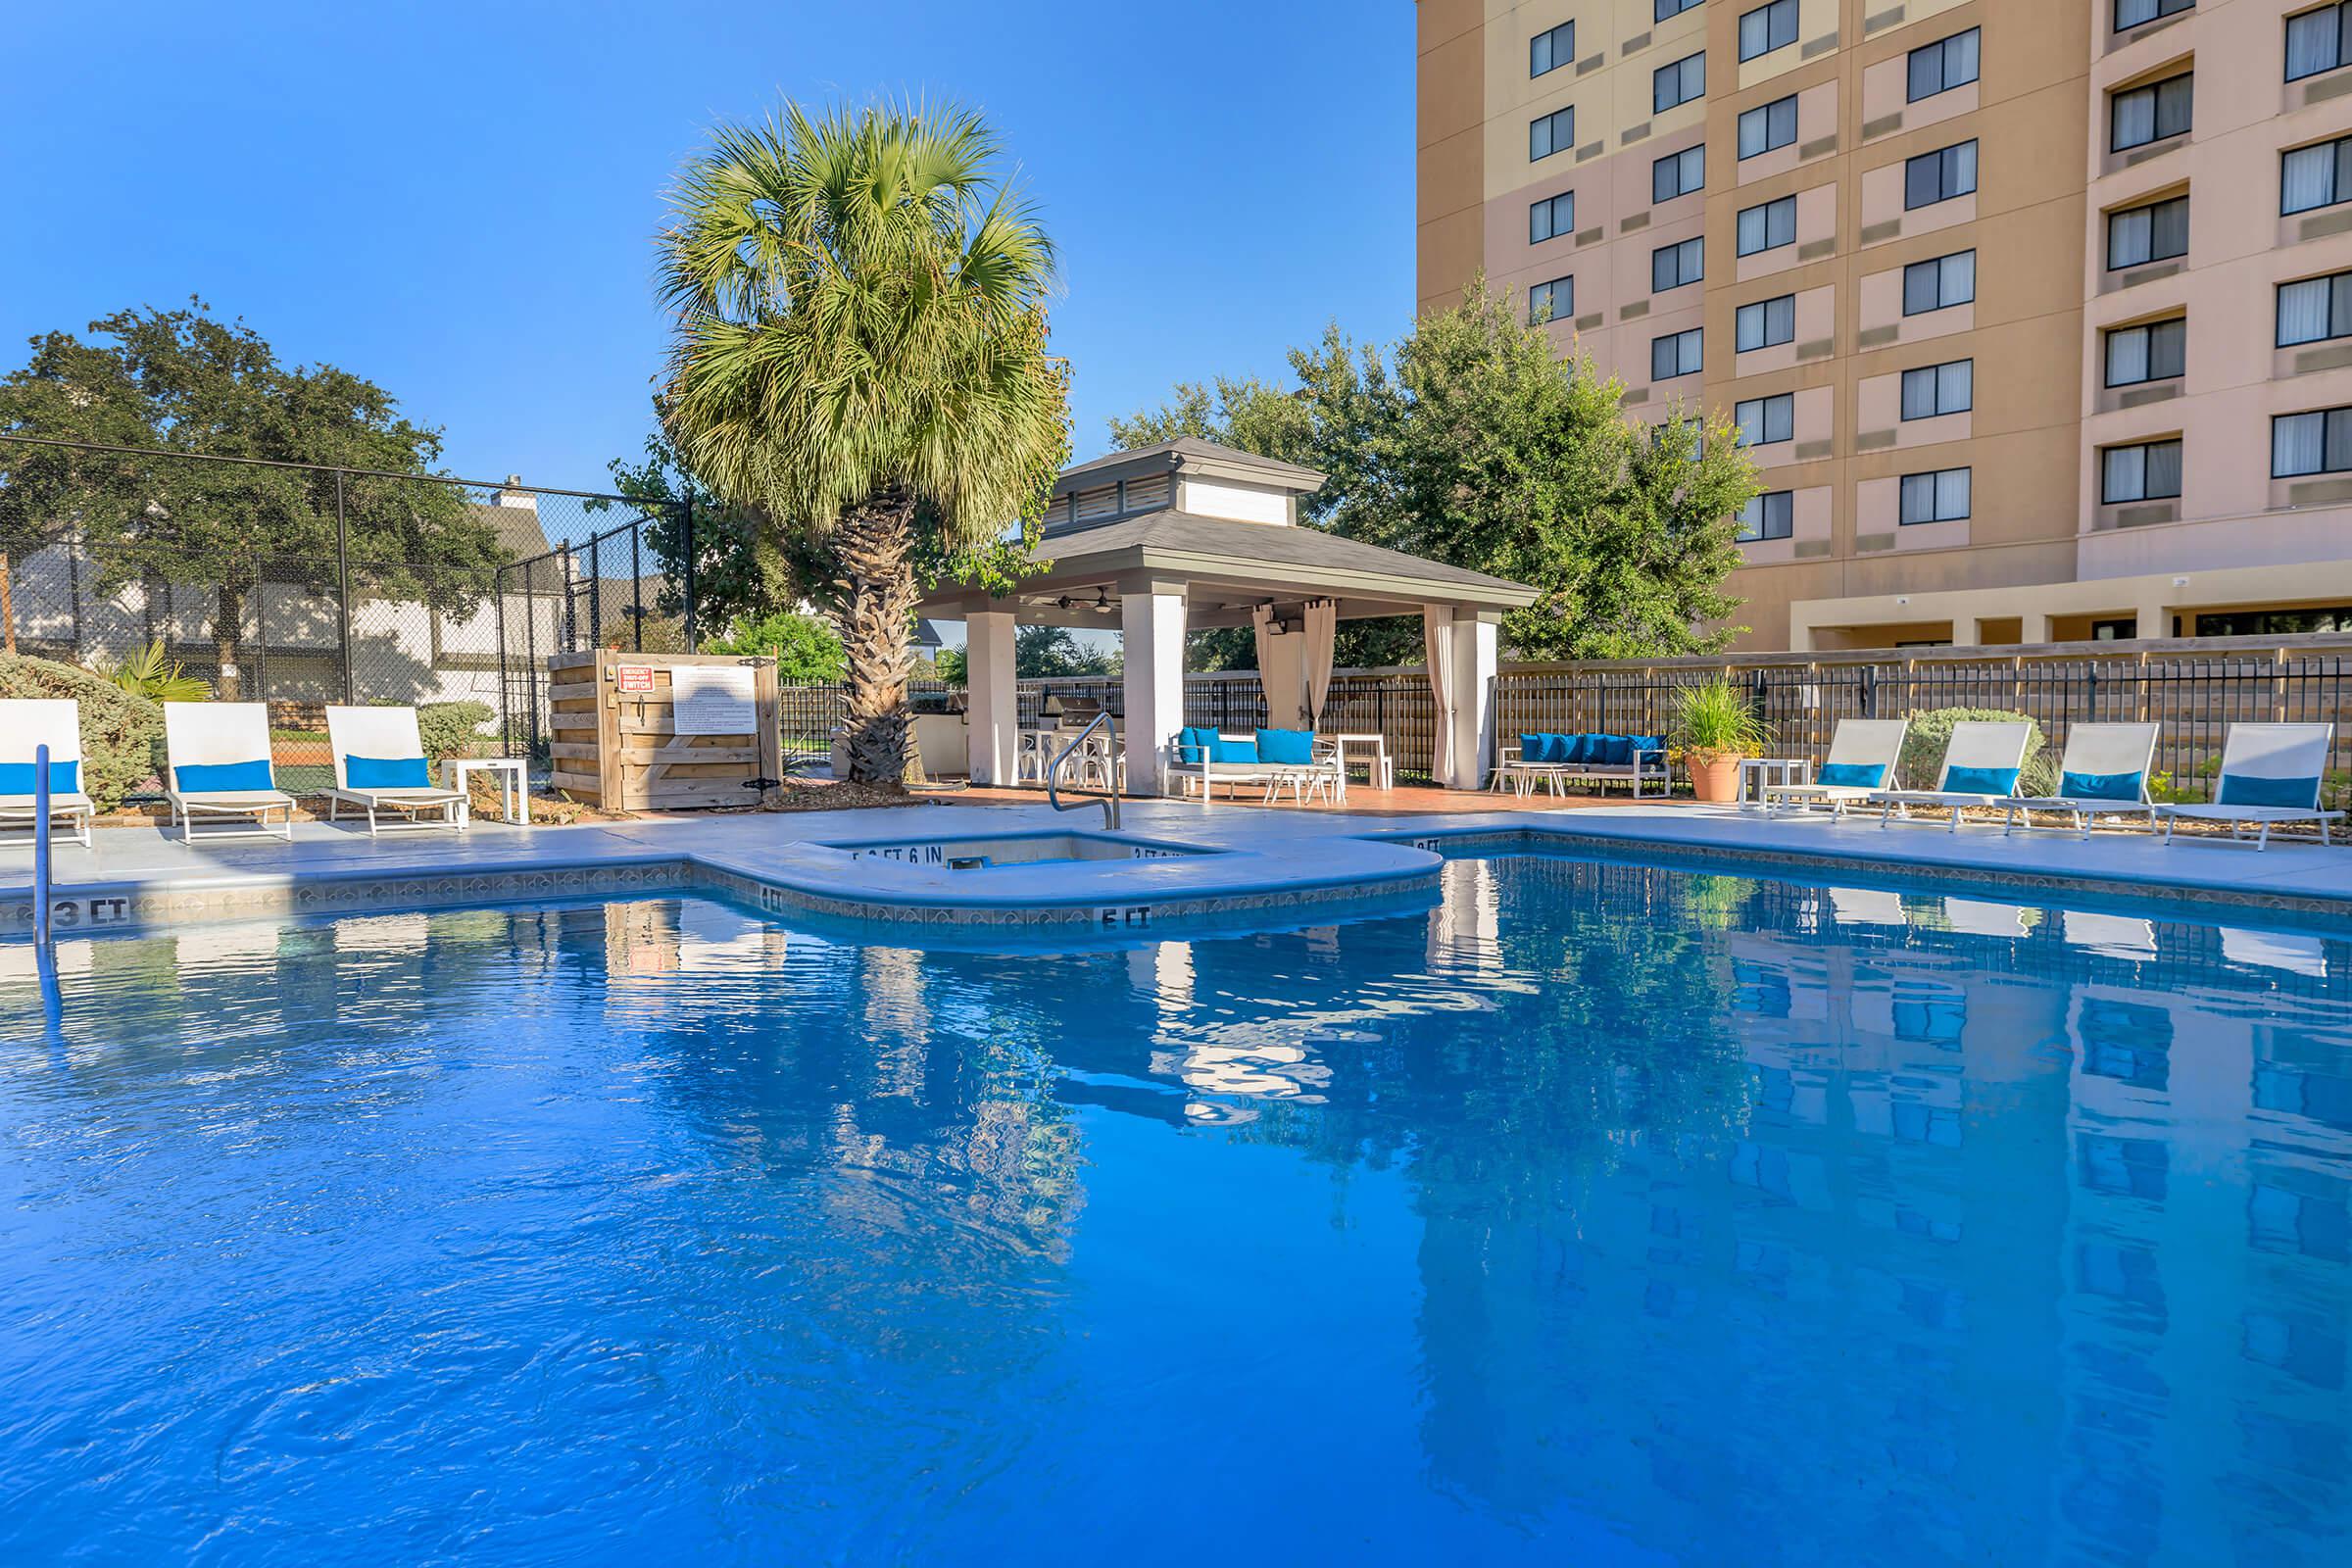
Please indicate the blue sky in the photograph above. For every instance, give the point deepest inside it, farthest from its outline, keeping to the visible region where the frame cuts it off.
(458, 199)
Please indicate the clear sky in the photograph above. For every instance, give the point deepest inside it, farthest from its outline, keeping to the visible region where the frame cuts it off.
(458, 199)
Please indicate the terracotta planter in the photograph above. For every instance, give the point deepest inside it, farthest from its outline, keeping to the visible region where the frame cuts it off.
(1714, 775)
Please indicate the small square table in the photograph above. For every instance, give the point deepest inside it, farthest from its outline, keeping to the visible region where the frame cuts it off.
(513, 782)
(1758, 773)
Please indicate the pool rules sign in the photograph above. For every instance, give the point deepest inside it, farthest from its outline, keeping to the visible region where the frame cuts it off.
(713, 700)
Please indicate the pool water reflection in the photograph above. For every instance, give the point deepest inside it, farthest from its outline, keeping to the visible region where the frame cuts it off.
(1604, 1213)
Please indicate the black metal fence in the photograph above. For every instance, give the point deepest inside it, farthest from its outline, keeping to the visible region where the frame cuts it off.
(300, 585)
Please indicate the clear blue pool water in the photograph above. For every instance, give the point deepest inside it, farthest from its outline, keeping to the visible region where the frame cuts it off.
(1603, 1215)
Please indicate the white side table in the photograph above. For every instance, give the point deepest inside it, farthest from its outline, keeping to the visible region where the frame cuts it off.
(1379, 772)
(513, 783)
(1758, 773)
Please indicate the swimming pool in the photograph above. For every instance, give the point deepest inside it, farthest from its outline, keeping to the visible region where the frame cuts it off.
(1604, 1213)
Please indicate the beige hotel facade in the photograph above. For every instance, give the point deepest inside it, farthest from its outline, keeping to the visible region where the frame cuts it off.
(2037, 313)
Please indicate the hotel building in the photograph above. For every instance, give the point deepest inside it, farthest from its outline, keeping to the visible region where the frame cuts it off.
(2036, 314)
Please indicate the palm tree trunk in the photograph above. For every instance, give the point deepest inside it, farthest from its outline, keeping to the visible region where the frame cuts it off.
(877, 544)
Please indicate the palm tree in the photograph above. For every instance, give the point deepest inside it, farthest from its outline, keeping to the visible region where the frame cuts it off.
(860, 355)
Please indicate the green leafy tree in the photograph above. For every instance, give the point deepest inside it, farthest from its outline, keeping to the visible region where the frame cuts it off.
(1470, 442)
(1041, 652)
(740, 574)
(804, 647)
(185, 381)
(861, 365)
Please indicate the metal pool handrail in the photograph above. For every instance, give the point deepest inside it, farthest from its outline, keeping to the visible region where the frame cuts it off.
(40, 845)
(1110, 804)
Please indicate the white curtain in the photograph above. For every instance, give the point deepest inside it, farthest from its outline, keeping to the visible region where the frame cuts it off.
(1322, 623)
(1261, 622)
(2302, 311)
(1436, 645)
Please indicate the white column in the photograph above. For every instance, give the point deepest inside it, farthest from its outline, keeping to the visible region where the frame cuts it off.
(992, 708)
(1152, 616)
(1967, 631)
(2154, 620)
(1474, 662)
(2034, 626)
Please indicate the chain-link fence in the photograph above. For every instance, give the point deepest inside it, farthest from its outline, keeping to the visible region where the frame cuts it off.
(300, 585)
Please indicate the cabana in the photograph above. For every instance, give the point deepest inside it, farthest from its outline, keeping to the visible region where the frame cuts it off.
(1164, 539)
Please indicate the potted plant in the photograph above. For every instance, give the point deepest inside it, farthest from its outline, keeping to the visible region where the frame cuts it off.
(1715, 730)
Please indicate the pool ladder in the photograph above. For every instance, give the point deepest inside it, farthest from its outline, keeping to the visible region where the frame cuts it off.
(41, 847)
(1109, 802)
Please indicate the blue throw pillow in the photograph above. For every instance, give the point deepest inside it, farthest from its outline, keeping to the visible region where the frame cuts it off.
(1979, 780)
(1222, 750)
(1291, 748)
(1535, 748)
(1194, 742)
(1647, 749)
(1613, 751)
(17, 778)
(387, 773)
(1853, 775)
(2099, 786)
(2298, 794)
(209, 778)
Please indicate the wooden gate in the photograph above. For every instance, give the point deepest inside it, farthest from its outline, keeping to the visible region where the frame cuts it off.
(614, 718)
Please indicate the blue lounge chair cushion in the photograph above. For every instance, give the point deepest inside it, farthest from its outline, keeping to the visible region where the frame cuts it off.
(209, 778)
(19, 778)
(1221, 750)
(387, 773)
(1292, 747)
(2295, 793)
(1852, 775)
(1194, 742)
(2099, 786)
(1979, 780)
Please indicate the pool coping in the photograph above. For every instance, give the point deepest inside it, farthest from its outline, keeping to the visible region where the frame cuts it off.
(1256, 863)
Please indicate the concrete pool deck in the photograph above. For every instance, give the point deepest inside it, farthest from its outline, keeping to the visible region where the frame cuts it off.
(1190, 863)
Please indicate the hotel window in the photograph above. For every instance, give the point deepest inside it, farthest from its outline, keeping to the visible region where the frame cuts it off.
(1943, 65)
(1677, 173)
(1765, 421)
(2137, 235)
(1767, 225)
(1767, 27)
(2316, 176)
(2148, 472)
(1548, 52)
(2133, 12)
(1939, 176)
(1551, 218)
(1764, 324)
(2318, 442)
(2319, 40)
(2315, 309)
(1554, 301)
(1675, 353)
(1936, 389)
(1771, 516)
(1679, 82)
(1938, 497)
(2149, 114)
(2156, 351)
(1945, 280)
(1673, 266)
(1767, 127)
(1556, 133)
(1671, 8)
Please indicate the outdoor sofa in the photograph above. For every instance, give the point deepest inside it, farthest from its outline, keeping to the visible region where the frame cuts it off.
(1555, 759)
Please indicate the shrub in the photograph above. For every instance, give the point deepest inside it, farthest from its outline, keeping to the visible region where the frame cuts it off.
(804, 647)
(121, 733)
(1931, 733)
(450, 729)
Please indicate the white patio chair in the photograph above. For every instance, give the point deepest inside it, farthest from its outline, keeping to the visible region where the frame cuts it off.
(2270, 775)
(1980, 764)
(1863, 753)
(28, 723)
(380, 766)
(218, 769)
(2103, 773)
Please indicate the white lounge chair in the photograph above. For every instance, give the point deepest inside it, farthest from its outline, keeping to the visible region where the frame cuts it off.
(2103, 773)
(219, 770)
(2270, 775)
(25, 724)
(1863, 753)
(1980, 764)
(380, 766)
